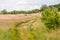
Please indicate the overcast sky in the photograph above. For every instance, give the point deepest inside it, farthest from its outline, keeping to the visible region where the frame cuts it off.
(25, 4)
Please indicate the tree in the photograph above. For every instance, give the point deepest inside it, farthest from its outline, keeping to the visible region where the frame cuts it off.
(14, 12)
(4, 12)
(35, 11)
(43, 7)
(50, 17)
(56, 5)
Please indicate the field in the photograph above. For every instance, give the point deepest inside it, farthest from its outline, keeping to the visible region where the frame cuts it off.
(25, 27)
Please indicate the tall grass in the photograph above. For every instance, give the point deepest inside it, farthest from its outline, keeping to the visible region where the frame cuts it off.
(30, 31)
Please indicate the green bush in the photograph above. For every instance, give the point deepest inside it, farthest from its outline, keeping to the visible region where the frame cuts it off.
(51, 18)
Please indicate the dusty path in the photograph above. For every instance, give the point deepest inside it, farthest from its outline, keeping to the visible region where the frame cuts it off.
(7, 21)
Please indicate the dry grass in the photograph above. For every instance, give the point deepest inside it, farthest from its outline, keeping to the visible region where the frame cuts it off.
(34, 29)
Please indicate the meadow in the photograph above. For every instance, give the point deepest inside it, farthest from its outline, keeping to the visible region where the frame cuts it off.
(26, 27)
(37, 24)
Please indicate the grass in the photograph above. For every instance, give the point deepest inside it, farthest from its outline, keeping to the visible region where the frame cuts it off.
(29, 30)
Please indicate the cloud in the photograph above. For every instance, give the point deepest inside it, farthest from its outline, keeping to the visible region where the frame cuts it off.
(29, 2)
(24, 4)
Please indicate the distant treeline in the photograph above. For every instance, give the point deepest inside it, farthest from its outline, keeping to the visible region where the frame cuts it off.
(45, 6)
(57, 6)
(20, 12)
(30, 11)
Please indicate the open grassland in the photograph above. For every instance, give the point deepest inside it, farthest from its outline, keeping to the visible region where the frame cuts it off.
(25, 27)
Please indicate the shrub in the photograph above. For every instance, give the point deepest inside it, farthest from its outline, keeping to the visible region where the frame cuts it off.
(51, 18)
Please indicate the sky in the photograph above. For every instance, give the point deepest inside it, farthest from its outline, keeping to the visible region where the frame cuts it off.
(10, 5)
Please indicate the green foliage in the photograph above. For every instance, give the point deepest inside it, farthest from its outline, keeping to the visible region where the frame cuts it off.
(4, 12)
(5, 35)
(35, 11)
(28, 31)
(56, 5)
(20, 12)
(43, 7)
(51, 18)
(14, 12)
